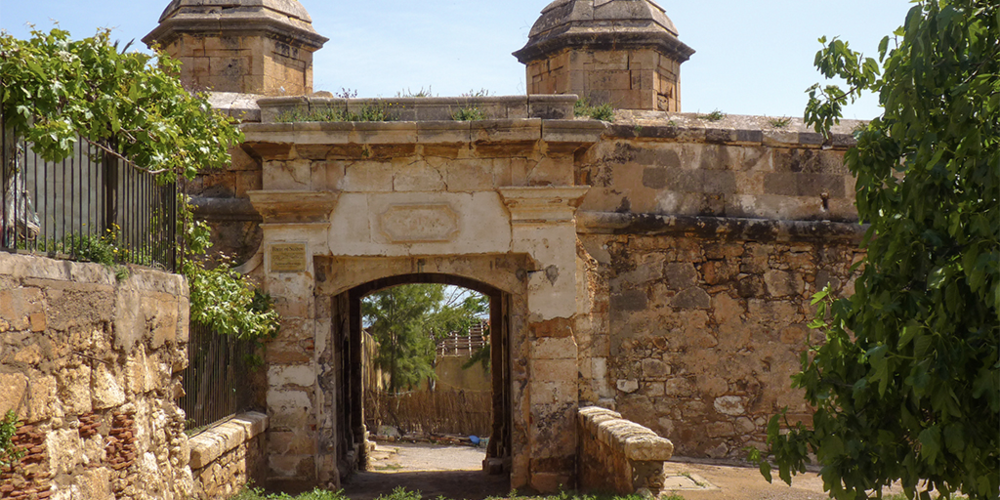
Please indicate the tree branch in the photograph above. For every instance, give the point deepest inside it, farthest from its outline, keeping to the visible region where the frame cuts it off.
(129, 162)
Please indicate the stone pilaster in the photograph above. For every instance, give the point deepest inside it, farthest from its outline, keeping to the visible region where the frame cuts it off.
(543, 227)
(296, 227)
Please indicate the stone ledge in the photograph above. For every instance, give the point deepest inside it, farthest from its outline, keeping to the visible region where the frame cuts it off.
(51, 271)
(549, 107)
(735, 130)
(732, 228)
(636, 442)
(219, 439)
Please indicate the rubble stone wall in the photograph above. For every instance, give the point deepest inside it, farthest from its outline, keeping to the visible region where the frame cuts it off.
(91, 367)
(704, 333)
(230, 455)
(738, 167)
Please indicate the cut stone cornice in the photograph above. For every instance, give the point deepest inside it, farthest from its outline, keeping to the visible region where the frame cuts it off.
(603, 24)
(543, 204)
(285, 20)
(294, 206)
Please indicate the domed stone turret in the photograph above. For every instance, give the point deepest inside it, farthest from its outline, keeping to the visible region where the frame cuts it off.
(249, 46)
(623, 52)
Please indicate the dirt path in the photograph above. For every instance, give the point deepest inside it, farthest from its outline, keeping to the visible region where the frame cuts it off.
(455, 472)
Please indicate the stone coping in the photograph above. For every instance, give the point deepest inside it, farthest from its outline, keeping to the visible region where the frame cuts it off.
(428, 108)
(749, 130)
(731, 228)
(426, 132)
(45, 269)
(554, 111)
(637, 443)
(212, 443)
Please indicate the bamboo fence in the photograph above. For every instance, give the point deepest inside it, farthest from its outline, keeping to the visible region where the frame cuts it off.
(461, 413)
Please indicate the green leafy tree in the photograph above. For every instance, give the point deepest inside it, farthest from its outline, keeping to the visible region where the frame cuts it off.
(55, 91)
(906, 386)
(407, 320)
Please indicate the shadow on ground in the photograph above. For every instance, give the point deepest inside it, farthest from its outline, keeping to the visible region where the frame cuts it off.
(459, 484)
(453, 472)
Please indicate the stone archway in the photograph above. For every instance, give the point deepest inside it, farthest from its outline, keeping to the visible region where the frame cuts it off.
(346, 385)
(492, 202)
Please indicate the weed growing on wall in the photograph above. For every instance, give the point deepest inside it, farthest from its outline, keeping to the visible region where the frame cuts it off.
(9, 454)
(418, 94)
(714, 116)
(603, 112)
(374, 111)
(468, 114)
(779, 122)
(477, 93)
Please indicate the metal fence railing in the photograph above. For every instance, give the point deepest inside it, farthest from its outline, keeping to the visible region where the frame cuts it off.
(88, 205)
(216, 378)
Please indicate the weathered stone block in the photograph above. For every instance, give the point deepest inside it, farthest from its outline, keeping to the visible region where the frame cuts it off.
(680, 275)
(106, 388)
(692, 298)
(13, 388)
(729, 405)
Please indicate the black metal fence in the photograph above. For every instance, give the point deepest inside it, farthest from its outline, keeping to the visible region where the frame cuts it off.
(91, 206)
(217, 379)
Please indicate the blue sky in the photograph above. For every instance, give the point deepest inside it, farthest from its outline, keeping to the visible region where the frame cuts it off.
(753, 57)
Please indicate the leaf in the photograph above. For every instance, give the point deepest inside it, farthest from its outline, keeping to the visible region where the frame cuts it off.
(930, 440)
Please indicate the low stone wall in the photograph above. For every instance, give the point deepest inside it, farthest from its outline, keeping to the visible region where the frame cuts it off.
(91, 367)
(229, 455)
(617, 455)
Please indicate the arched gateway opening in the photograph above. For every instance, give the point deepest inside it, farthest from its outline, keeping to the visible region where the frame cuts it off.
(347, 330)
(342, 283)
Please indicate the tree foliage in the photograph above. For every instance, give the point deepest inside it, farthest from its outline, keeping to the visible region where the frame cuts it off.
(907, 385)
(57, 91)
(406, 322)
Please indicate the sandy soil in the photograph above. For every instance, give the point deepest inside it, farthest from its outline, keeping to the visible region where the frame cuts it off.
(455, 472)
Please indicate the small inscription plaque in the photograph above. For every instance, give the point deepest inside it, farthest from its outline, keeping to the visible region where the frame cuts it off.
(288, 258)
(419, 223)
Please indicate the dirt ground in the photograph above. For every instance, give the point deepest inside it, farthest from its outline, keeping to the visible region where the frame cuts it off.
(456, 472)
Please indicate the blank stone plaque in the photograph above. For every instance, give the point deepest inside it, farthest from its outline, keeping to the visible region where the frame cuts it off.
(288, 258)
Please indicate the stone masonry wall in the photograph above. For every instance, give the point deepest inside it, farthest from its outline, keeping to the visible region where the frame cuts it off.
(616, 455)
(705, 332)
(91, 366)
(626, 79)
(227, 456)
(735, 167)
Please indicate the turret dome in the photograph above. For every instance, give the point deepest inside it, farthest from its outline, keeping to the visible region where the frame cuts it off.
(603, 23)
